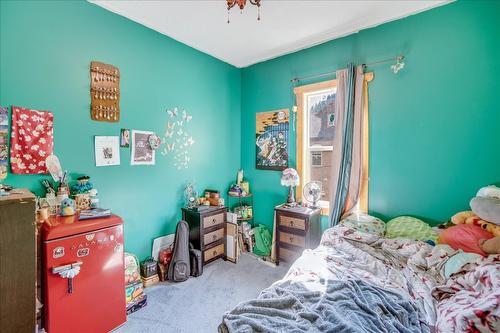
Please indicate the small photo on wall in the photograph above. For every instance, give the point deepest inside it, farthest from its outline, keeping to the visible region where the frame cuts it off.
(4, 135)
(142, 153)
(124, 138)
(4, 116)
(107, 150)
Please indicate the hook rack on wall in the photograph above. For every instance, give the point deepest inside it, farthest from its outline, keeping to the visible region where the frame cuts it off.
(104, 92)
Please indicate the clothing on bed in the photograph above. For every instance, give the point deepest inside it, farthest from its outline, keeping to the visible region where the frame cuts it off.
(327, 306)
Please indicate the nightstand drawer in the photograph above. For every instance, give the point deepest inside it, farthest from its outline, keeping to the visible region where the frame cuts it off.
(292, 239)
(292, 222)
(213, 236)
(213, 220)
(213, 252)
(288, 255)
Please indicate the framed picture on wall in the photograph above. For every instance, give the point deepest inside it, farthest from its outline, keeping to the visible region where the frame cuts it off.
(124, 138)
(142, 153)
(107, 151)
(271, 132)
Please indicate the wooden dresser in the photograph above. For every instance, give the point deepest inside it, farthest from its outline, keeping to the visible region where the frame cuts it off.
(207, 231)
(17, 262)
(297, 228)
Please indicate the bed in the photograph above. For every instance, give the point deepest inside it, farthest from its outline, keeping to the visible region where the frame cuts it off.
(361, 282)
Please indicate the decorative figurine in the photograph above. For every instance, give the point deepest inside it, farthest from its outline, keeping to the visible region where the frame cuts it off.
(82, 186)
(67, 207)
(190, 196)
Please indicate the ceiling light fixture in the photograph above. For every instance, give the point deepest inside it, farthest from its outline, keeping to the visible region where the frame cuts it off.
(241, 4)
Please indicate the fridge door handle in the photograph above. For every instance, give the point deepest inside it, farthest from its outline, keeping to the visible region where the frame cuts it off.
(68, 271)
(63, 268)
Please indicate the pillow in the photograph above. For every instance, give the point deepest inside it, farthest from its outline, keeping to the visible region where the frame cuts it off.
(488, 209)
(364, 223)
(409, 227)
(465, 237)
(456, 262)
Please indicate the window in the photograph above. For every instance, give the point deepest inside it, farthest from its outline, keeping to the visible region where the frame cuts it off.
(315, 125)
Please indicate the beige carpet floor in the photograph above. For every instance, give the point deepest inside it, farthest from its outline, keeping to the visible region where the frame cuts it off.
(197, 305)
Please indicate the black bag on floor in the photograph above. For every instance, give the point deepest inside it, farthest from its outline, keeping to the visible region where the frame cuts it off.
(196, 262)
(178, 269)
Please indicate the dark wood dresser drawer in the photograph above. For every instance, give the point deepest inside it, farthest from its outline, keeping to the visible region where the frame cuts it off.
(289, 255)
(213, 236)
(292, 222)
(292, 239)
(213, 220)
(213, 252)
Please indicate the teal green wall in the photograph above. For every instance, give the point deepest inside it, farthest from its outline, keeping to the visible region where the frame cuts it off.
(434, 127)
(45, 52)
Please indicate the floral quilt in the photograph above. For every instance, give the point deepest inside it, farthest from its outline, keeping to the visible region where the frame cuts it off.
(466, 302)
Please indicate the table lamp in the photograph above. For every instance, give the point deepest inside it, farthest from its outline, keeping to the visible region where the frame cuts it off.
(290, 178)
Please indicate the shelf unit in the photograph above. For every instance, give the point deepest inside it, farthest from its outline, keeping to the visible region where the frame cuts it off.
(243, 200)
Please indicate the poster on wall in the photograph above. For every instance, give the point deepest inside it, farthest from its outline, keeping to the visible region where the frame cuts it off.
(4, 134)
(272, 131)
(142, 153)
(107, 151)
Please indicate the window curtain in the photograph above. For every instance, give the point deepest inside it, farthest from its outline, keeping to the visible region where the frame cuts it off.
(345, 183)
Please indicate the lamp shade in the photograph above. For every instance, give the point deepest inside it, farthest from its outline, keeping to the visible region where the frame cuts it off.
(290, 177)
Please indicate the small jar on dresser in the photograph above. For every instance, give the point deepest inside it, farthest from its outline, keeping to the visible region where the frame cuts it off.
(297, 228)
(207, 231)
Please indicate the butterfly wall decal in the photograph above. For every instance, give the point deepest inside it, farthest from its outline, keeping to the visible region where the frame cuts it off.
(176, 137)
(186, 117)
(173, 113)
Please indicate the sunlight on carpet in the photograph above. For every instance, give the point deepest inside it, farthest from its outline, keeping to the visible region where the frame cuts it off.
(197, 305)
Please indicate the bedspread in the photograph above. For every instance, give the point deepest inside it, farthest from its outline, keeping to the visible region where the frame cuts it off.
(466, 302)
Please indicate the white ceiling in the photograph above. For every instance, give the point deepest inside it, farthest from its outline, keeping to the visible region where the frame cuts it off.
(285, 26)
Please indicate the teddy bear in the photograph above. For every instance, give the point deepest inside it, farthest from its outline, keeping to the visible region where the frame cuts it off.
(490, 246)
(466, 217)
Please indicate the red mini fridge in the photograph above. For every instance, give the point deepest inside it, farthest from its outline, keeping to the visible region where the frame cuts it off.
(91, 251)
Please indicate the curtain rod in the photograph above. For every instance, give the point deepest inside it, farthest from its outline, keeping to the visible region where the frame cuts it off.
(396, 58)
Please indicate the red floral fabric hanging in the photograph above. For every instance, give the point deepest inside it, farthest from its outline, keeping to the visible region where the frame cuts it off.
(31, 140)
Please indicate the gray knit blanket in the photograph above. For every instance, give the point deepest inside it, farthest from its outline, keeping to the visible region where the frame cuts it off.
(330, 306)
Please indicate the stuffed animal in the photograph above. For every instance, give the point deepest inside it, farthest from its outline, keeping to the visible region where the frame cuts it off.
(490, 227)
(467, 217)
(67, 207)
(490, 246)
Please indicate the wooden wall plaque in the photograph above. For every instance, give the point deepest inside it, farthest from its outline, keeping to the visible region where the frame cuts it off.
(104, 92)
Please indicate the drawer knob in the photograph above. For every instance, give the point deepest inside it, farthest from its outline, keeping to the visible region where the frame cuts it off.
(214, 237)
(214, 220)
(291, 223)
(291, 239)
(215, 253)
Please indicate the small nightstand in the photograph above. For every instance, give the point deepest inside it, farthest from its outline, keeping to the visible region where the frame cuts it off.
(297, 228)
(207, 231)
